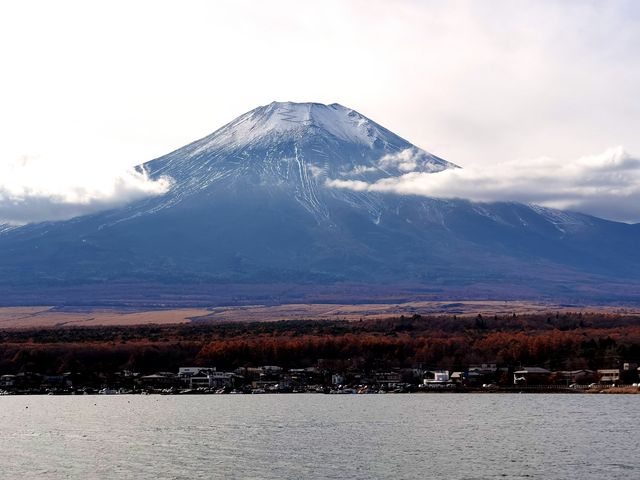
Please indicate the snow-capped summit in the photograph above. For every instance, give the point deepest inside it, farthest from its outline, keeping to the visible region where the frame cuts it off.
(300, 144)
(298, 119)
(255, 204)
(297, 149)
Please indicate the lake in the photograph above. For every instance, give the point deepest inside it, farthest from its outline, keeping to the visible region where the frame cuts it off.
(459, 436)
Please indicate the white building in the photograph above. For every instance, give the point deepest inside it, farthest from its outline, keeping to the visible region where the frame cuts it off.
(609, 375)
(210, 379)
(438, 376)
(206, 377)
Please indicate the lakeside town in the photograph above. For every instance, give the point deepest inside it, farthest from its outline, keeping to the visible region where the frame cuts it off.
(561, 352)
(486, 377)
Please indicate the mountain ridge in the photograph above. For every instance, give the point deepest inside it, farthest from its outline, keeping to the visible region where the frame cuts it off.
(251, 204)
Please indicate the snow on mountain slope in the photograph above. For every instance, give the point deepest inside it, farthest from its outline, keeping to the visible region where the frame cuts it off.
(252, 203)
(303, 148)
(288, 118)
(297, 147)
(267, 134)
(6, 227)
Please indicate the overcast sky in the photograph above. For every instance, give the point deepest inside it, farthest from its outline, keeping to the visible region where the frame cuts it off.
(87, 90)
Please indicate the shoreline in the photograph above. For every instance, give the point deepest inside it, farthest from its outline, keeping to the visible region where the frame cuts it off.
(537, 390)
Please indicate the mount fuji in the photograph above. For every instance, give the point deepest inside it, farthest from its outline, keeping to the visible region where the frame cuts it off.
(252, 215)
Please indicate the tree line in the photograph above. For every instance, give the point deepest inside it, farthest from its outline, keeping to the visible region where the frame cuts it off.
(556, 341)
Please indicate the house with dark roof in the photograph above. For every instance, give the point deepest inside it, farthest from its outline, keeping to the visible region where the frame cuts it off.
(531, 376)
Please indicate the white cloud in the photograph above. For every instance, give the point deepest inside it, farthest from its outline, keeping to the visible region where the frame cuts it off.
(360, 170)
(409, 160)
(605, 185)
(356, 185)
(405, 161)
(32, 189)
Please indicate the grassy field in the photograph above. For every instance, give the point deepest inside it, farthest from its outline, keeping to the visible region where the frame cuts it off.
(48, 316)
(42, 317)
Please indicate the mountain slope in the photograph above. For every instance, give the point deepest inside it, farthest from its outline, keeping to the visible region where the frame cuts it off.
(250, 205)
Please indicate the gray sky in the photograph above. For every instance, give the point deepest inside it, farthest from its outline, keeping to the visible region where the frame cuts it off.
(88, 89)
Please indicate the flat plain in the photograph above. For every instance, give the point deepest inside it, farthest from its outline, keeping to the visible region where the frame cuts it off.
(50, 316)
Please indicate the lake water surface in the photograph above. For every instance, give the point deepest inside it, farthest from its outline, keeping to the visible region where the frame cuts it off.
(464, 436)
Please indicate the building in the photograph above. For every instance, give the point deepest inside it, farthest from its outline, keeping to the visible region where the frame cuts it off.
(568, 377)
(211, 379)
(482, 373)
(609, 375)
(484, 368)
(436, 377)
(281, 385)
(160, 380)
(186, 372)
(7, 381)
(388, 379)
(531, 376)
(205, 377)
(56, 381)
